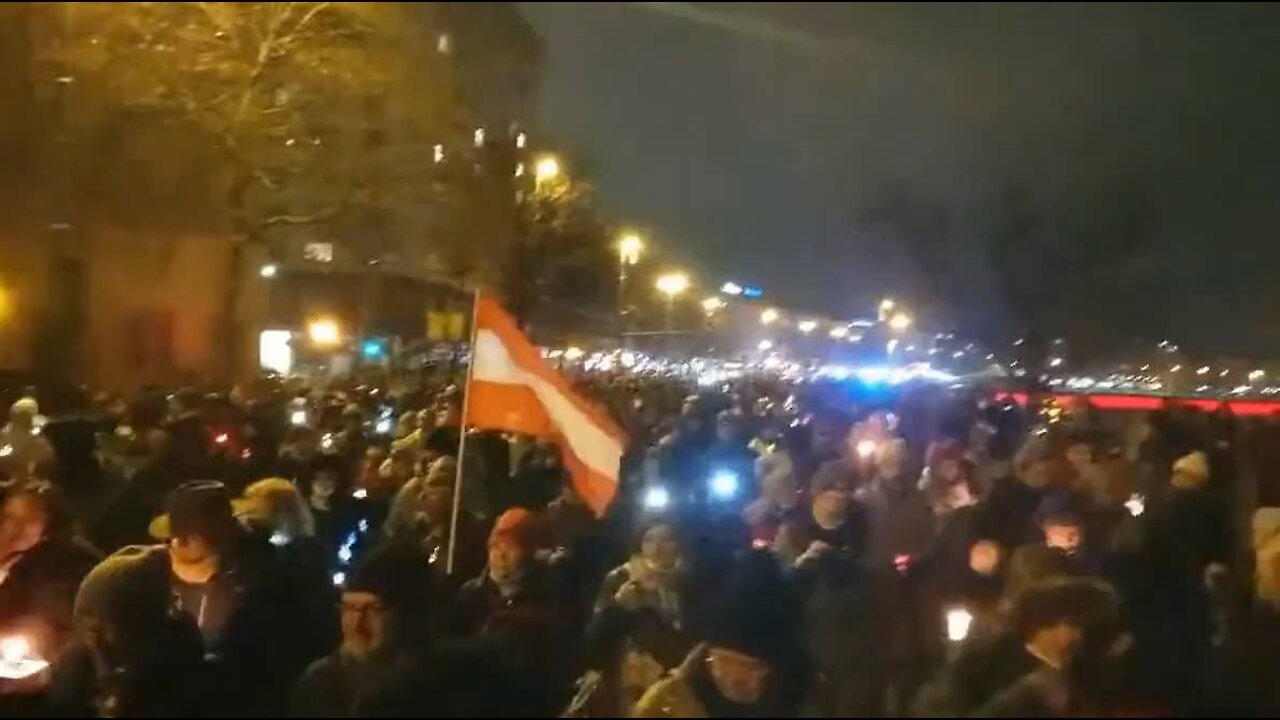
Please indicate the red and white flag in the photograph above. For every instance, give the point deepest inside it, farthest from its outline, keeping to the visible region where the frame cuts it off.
(512, 389)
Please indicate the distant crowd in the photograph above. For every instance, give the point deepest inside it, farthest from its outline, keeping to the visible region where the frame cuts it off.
(773, 550)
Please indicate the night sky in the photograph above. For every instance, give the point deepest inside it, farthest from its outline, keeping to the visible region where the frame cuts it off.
(1127, 157)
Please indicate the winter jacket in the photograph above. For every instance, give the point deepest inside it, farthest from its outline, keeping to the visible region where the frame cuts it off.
(39, 589)
(340, 686)
(529, 624)
(899, 521)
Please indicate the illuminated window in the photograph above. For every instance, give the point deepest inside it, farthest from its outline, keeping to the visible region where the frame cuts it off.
(519, 169)
(520, 141)
(444, 44)
(479, 137)
(438, 153)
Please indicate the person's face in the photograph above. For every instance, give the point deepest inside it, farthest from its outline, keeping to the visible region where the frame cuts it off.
(437, 505)
(949, 471)
(984, 557)
(449, 416)
(22, 525)
(1064, 537)
(739, 678)
(659, 546)
(191, 550)
(830, 507)
(364, 623)
(1058, 642)
(1038, 474)
(323, 484)
(1080, 454)
(402, 466)
(505, 559)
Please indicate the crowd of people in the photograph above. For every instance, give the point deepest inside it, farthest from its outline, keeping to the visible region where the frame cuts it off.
(773, 550)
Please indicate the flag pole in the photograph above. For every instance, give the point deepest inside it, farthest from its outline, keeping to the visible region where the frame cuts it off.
(462, 435)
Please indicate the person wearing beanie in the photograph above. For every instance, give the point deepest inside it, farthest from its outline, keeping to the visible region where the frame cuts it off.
(517, 603)
(640, 626)
(833, 525)
(743, 666)
(131, 657)
(374, 671)
(1008, 513)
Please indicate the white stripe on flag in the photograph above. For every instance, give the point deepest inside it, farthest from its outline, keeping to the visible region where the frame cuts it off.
(588, 442)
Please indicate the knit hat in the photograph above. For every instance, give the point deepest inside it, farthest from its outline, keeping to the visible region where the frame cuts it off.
(522, 528)
(1061, 508)
(1195, 464)
(129, 588)
(396, 574)
(752, 618)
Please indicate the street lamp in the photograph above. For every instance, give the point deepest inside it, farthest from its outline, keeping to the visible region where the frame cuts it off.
(324, 332)
(899, 322)
(769, 316)
(886, 306)
(546, 168)
(672, 285)
(269, 270)
(630, 245)
(807, 326)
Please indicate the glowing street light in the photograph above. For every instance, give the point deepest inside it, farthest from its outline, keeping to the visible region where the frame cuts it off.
(1256, 375)
(269, 270)
(769, 316)
(546, 168)
(899, 322)
(731, 288)
(630, 245)
(807, 326)
(324, 332)
(1202, 370)
(672, 285)
(765, 346)
(713, 304)
(839, 332)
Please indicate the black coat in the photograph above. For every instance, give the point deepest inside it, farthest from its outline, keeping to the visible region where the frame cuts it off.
(39, 591)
